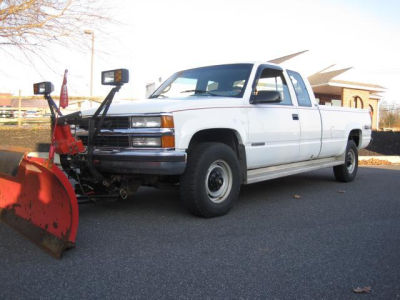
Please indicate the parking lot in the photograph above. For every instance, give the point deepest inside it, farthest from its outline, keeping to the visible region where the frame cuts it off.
(328, 239)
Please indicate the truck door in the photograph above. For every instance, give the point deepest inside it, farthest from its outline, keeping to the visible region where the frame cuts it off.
(309, 117)
(274, 129)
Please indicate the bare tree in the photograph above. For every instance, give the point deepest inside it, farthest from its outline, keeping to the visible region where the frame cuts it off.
(30, 24)
(390, 116)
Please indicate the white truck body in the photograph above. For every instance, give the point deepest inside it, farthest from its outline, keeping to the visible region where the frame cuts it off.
(268, 132)
(236, 124)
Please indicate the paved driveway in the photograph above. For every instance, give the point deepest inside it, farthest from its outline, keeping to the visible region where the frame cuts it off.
(334, 238)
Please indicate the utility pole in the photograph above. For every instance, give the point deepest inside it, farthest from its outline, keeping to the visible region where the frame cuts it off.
(19, 108)
(91, 32)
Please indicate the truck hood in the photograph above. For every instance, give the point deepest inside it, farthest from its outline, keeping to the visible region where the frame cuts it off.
(168, 105)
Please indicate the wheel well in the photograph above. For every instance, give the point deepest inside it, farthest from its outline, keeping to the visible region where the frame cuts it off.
(355, 135)
(226, 136)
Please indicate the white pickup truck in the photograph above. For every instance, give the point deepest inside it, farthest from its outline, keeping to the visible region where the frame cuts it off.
(209, 130)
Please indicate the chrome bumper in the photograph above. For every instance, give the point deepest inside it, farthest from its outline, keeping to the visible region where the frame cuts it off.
(149, 161)
(113, 152)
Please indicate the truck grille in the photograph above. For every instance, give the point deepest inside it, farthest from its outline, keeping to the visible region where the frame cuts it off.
(109, 123)
(107, 141)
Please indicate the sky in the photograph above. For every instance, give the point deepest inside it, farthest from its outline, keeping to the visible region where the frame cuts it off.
(155, 38)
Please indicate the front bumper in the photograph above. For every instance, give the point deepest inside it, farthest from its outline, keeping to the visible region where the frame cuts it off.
(152, 161)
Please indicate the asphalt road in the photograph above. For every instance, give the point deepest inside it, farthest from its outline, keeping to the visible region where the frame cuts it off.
(334, 238)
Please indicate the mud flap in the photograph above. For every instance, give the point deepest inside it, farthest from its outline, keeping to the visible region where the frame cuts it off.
(38, 200)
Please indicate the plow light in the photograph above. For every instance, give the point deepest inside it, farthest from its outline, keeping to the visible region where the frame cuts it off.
(115, 77)
(43, 88)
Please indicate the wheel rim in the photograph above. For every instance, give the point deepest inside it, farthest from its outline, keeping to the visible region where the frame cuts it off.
(351, 161)
(218, 181)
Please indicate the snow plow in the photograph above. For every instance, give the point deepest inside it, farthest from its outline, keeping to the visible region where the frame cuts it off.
(37, 200)
(36, 197)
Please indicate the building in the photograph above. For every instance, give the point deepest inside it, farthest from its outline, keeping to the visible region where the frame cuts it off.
(10, 105)
(5, 99)
(333, 92)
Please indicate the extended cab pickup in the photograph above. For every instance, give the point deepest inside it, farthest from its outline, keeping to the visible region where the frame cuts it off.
(209, 130)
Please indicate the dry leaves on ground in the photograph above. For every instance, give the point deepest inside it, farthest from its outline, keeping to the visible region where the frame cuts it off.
(373, 162)
(362, 290)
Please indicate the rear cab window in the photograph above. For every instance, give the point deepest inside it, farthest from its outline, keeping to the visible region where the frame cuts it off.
(302, 95)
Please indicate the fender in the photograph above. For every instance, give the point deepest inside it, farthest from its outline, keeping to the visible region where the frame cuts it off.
(188, 123)
(364, 127)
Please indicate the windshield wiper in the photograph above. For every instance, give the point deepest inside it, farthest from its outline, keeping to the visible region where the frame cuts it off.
(199, 92)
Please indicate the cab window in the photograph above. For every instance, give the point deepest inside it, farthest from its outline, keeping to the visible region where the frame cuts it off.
(273, 80)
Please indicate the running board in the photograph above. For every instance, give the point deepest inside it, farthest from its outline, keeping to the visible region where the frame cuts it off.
(256, 175)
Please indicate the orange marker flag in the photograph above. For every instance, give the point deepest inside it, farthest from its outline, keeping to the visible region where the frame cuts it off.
(64, 92)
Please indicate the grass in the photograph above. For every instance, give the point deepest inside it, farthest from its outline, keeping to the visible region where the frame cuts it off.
(25, 121)
(29, 137)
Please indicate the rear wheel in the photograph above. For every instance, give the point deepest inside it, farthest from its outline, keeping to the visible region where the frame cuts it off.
(211, 182)
(348, 171)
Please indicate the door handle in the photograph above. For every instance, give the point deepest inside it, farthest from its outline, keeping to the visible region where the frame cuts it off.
(295, 117)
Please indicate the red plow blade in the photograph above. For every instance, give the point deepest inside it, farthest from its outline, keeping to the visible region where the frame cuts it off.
(38, 200)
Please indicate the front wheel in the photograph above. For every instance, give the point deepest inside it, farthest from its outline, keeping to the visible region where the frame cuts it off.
(348, 171)
(211, 182)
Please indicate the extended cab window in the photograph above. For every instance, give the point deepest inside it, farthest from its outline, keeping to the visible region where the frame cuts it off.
(273, 80)
(303, 98)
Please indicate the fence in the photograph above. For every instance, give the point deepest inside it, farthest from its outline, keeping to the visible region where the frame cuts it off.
(385, 143)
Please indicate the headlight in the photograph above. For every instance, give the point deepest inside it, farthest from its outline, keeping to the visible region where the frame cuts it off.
(146, 142)
(141, 122)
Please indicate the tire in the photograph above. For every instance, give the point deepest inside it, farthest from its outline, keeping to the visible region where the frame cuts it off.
(348, 171)
(211, 182)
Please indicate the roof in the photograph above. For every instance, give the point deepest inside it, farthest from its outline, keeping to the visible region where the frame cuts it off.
(282, 59)
(5, 95)
(322, 77)
(34, 103)
(369, 85)
(375, 96)
(5, 102)
(324, 82)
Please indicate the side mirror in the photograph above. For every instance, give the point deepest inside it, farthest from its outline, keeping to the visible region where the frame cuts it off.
(115, 77)
(266, 97)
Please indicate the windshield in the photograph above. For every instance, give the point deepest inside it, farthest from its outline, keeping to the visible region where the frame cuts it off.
(221, 80)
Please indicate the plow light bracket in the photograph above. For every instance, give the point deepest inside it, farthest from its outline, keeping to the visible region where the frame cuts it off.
(43, 88)
(115, 77)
